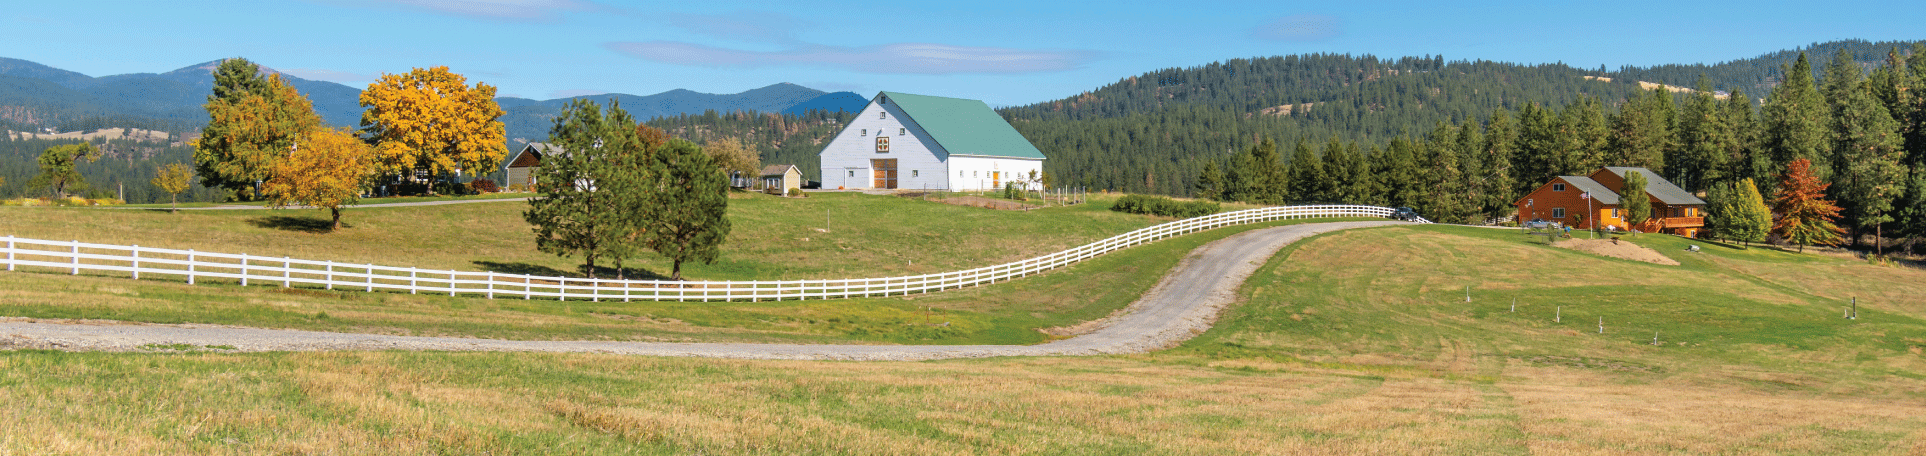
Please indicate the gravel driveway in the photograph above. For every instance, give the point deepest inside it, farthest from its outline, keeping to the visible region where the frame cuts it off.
(1182, 305)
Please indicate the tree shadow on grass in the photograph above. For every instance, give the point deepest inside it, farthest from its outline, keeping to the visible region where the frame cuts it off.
(601, 272)
(290, 223)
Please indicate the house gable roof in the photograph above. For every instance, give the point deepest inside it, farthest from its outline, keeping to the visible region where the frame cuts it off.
(533, 151)
(1597, 190)
(963, 127)
(1658, 187)
(778, 170)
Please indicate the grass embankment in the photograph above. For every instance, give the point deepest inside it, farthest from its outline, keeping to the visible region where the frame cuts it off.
(1006, 313)
(1353, 342)
(772, 238)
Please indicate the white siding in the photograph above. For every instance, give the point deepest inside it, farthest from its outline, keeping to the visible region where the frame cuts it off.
(980, 173)
(918, 166)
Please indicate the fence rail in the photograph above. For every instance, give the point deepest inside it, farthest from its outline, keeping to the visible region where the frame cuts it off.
(195, 266)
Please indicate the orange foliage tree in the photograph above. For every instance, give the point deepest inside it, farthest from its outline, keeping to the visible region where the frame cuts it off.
(326, 169)
(1805, 216)
(433, 119)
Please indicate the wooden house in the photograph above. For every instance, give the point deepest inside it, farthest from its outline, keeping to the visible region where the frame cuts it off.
(778, 179)
(1587, 201)
(925, 142)
(521, 167)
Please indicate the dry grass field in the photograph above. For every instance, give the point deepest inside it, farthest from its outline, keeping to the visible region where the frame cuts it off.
(1355, 342)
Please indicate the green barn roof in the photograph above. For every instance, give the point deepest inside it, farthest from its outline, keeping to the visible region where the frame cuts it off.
(964, 127)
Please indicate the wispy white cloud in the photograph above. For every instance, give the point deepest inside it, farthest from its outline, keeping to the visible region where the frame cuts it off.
(1300, 27)
(320, 74)
(486, 9)
(899, 58)
(751, 26)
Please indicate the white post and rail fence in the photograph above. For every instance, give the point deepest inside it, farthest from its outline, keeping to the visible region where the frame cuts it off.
(192, 266)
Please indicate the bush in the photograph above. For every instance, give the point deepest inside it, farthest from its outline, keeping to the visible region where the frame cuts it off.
(796, 193)
(1157, 205)
(1013, 191)
(516, 188)
(484, 186)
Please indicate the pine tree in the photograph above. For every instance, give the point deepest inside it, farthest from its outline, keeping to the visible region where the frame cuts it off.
(1581, 139)
(1307, 180)
(691, 206)
(1210, 182)
(253, 122)
(1634, 205)
(1340, 172)
(1641, 133)
(1804, 216)
(1720, 209)
(1535, 160)
(1866, 153)
(1500, 154)
(1795, 121)
(592, 194)
(1704, 140)
(1269, 184)
(1746, 159)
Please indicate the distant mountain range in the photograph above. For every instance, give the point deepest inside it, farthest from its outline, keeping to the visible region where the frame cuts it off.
(35, 96)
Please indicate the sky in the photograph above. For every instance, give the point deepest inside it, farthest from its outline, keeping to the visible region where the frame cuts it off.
(1003, 52)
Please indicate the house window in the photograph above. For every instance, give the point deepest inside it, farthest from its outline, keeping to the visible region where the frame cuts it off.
(1614, 213)
(1558, 213)
(882, 144)
(1558, 187)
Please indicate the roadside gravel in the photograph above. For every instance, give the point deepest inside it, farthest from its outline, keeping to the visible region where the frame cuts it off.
(1185, 303)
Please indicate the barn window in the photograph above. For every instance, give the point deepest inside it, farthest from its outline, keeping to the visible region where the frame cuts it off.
(1558, 187)
(863, 132)
(902, 131)
(914, 173)
(882, 143)
(882, 114)
(852, 173)
(1558, 213)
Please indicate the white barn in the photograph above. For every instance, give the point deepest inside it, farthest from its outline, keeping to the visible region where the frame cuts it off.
(922, 142)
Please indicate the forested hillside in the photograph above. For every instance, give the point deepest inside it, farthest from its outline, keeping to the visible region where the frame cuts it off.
(1757, 75)
(124, 165)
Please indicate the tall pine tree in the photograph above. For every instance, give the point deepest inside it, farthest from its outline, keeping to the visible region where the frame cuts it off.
(1794, 118)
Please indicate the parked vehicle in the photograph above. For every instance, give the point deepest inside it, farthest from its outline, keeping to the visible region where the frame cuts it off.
(1404, 213)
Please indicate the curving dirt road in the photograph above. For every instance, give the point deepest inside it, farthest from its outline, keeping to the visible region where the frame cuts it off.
(1182, 305)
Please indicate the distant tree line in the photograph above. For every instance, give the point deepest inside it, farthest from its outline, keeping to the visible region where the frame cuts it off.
(1862, 136)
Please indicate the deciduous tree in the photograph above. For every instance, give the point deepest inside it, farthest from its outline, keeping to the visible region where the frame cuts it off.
(252, 122)
(326, 169)
(734, 159)
(58, 168)
(1750, 219)
(174, 179)
(432, 119)
(1805, 216)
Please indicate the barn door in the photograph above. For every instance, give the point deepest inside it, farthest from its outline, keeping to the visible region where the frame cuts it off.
(885, 169)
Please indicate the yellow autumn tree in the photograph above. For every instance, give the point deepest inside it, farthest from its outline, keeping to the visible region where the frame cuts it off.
(326, 170)
(432, 119)
(734, 158)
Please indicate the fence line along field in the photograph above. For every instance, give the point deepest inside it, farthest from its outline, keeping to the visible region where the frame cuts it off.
(194, 265)
(1359, 341)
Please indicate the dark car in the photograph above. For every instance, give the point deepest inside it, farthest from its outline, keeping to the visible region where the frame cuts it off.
(1404, 213)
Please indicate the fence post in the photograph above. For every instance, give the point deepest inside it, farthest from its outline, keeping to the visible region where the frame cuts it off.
(76, 257)
(370, 277)
(451, 283)
(411, 281)
(285, 272)
(243, 269)
(491, 284)
(9, 252)
(330, 275)
(135, 252)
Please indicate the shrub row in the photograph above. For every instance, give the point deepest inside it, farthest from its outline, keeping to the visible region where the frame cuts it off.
(1157, 205)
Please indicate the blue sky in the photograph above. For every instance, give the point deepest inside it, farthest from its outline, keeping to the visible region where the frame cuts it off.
(1002, 52)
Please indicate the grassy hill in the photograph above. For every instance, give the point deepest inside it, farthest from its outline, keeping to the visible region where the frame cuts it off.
(1352, 342)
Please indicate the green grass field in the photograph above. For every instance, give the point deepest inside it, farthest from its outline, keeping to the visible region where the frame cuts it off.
(1354, 342)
